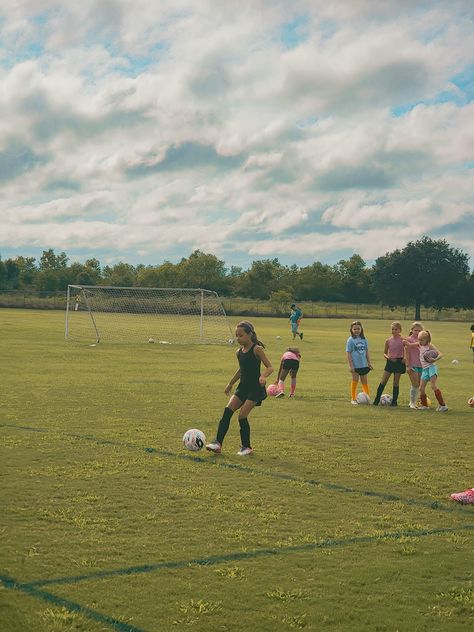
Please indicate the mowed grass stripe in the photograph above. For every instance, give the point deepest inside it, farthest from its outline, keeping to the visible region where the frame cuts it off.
(71, 606)
(257, 553)
(215, 461)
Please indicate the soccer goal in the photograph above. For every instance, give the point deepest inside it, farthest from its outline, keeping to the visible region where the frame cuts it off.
(145, 315)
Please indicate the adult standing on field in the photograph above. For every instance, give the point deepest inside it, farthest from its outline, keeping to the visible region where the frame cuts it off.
(295, 319)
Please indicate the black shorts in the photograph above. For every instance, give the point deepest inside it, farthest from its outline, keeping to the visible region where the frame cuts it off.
(256, 395)
(396, 366)
(291, 364)
(362, 371)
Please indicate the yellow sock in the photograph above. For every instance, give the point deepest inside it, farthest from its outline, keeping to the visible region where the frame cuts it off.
(353, 389)
(365, 388)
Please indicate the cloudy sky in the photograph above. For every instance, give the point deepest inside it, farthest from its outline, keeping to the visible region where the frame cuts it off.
(140, 130)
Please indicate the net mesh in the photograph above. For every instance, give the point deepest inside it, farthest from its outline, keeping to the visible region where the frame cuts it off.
(145, 315)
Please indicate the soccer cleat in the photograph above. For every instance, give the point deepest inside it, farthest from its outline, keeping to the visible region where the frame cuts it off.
(301, 336)
(413, 406)
(214, 447)
(466, 498)
(280, 394)
(245, 451)
(354, 402)
(442, 409)
(423, 407)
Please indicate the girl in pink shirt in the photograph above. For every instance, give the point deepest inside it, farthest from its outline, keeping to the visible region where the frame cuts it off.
(413, 363)
(290, 363)
(394, 353)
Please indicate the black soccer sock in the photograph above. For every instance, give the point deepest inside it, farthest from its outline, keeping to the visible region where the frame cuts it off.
(244, 432)
(379, 394)
(395, 392)
(224, 424)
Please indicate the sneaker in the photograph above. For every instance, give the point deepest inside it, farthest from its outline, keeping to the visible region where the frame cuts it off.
(423, 407)
(280, 394)
(354, 402)
(466, 498)
(245, 451)
(442, 409)
(413, 406)
(301, 336)
(214, 447)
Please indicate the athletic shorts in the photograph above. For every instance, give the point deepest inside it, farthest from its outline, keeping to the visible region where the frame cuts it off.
(291, 364)
(396, 366)
(417, 369)
(256, 395)
(294, 327)
(429, 372)
(363, 370)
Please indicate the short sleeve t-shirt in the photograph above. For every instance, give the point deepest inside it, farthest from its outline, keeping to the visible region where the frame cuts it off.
(358, 348)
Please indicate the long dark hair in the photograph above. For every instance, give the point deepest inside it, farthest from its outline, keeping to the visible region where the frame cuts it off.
(357, 322)
(247, 326)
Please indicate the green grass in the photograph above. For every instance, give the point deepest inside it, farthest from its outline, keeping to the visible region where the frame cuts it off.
(340, 521)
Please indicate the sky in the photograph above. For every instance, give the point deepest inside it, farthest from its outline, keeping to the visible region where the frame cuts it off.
(140, 130)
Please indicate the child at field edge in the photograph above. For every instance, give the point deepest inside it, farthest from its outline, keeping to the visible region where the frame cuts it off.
(412, 361)
(295, 319)
(251, 389)
(357, 349)
(430, 371)
(394, 353)
(289, 363)
(472, 341)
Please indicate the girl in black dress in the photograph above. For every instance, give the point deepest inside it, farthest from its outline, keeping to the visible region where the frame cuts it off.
(251, 389)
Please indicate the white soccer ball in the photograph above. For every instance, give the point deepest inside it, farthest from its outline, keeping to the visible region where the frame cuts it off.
(454, 361)
(194, 440)
(385, 400)
(151, 340)
(278, 337)
(230, 341)
(363, 398)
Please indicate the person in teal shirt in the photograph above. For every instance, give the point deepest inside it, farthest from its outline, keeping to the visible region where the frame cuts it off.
(295, 319)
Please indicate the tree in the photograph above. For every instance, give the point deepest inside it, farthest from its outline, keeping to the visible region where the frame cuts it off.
(120, 275)
(262, 279)
(355, 280)
(426, 272)
(50, 261)
(280, 300)
(204, 271)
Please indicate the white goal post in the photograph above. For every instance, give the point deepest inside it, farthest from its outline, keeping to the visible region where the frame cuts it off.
(143, 315)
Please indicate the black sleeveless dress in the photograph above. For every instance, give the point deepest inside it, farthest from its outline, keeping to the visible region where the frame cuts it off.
(249, 386)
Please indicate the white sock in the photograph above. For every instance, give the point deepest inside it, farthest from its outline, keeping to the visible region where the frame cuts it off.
(413, 394)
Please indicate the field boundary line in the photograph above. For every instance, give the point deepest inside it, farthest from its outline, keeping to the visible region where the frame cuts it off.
(336, 487)
(256, 553)
(71, 606)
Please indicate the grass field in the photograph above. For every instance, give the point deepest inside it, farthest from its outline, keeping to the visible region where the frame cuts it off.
(341, 520)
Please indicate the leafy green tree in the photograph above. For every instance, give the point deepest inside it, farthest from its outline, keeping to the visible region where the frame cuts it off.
(355, 280)
(120, 275)
(263, 278)
(280, 300)
(13, 271)
(50, 261)
(318, 282)
(204, 271)
(426, 272)
(3, 275)
(28, 271)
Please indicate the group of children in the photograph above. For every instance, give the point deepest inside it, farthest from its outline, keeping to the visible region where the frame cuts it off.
(415, 355)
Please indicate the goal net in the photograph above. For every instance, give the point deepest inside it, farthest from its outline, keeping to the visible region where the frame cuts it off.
(141, 315)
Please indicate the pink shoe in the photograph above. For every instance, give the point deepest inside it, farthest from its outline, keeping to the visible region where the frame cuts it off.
(466, 498)
(215, 447)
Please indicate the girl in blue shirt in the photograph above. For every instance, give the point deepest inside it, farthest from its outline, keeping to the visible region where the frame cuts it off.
(357, 349)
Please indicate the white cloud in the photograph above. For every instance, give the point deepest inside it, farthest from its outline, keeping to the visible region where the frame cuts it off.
(163, 127)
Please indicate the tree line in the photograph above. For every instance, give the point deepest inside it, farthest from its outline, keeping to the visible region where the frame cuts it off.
(426, 272)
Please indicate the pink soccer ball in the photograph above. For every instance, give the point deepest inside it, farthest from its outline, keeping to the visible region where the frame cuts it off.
(272, 390)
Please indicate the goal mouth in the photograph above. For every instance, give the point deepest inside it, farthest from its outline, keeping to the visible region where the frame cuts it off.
(136, 315)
